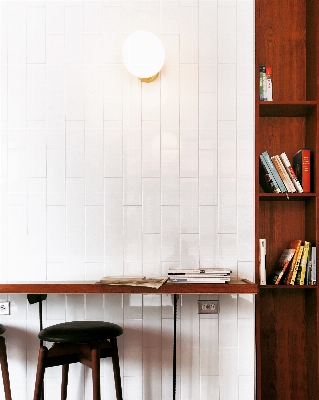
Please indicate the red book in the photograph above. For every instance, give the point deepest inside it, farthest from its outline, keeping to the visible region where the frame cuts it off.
(301, 166)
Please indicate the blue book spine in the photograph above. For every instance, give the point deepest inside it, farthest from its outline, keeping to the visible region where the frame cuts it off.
(274, 172)
(266, 166)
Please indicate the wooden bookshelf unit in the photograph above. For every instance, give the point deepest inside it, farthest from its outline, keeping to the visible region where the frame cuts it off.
(287, 330)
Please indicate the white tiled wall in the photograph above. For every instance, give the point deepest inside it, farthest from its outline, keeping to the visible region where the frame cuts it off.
(102, 175)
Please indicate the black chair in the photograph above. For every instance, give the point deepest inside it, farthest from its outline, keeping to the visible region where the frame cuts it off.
(79, 341)
(4, 365)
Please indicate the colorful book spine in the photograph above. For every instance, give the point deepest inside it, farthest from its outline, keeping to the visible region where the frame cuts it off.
(261, 86)
(309, 266)
(314, 265)
(296, 245)
(266, 181)
(291, 172)
(262, 261)
(274, 172)
(281, 266)
(301, 165)
(283, 174)
(303, 263)
(294, 274)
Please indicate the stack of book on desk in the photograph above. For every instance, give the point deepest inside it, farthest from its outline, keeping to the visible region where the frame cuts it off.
(202, 275)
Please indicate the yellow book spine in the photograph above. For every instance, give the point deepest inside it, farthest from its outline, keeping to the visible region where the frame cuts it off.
(294, 274)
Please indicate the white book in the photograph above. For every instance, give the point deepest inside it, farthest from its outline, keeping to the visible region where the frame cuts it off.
(283, 174)
(181, 271)
(186, 279)
(314, 266)
(262, 261)
(291, 172)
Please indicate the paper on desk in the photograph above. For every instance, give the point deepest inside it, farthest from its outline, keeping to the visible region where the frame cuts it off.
(134, 281)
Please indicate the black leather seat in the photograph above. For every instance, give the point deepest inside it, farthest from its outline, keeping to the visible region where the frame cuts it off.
(4, 364)
(79, 341)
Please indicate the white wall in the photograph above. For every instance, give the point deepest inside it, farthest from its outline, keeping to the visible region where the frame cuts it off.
(103, 175)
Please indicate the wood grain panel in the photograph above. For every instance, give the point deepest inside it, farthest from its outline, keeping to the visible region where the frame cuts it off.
(282, 46)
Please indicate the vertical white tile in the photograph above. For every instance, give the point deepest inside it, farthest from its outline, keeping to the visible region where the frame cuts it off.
(17, 33)
(74, 96)
(93, 45)
(151, 146)
(16, 78)
(36, 92)
(246, 233)
(74, 34)
(54, 21)
(208, 181)
(227, 80)
(246, 348)
(228, 252)
(151, 205)
(56, 223)
(188, 34)
(152, 255)
(35, 34)
(55, 119)
(228, 384)
(227, 149)
(189, 96)
(227, 205)
(93, 17)
(56, 176)
(151, 100)
(208, 46)
(189, 250)
(170, 176)
(170, 233)
(133, 344)
(152, 388)
(94, 307)
(169, 17)
(245, 168)
(113, 203)
(74, 151)
(246, 388)
(190, 352)
(188, 153)
(94, 180)
(113, 96)
(114, 254)
(133, 240)
(226, 36)
(75, 228)
(209, 346)
(54, 49)
(208, 236)
(94, 242)
(209, 387)
(113, 149)
(36, 137)
(132, 167)
(208, 123)
(17, 177)
(189, 205)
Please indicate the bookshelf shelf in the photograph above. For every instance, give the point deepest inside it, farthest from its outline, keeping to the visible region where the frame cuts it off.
(287, 327)
(284, 109)
(283, 196)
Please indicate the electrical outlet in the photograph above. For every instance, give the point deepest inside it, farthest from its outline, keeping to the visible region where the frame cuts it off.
(208, 306)
(5, 308)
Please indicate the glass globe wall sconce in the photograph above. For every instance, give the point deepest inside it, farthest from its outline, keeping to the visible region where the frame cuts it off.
(143, 55)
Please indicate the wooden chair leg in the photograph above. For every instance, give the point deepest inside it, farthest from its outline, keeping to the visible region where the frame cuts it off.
(116, 370)
(95, 357)
(4, 368)
(65, 379)
(40, 373)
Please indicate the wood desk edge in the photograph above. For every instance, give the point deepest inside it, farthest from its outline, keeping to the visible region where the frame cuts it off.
(240, 287)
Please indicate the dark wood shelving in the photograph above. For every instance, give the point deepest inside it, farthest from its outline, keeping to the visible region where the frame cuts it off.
(283, 109)
(286, 197)
(287, 327)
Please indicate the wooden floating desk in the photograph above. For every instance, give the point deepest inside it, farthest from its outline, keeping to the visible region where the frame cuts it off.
(233, 287)
(77, 287)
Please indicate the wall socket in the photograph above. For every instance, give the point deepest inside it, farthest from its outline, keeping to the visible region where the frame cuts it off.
(5, 308)
(208, 306)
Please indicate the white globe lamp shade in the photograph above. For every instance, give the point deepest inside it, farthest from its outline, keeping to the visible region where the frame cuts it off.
(143, 55)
